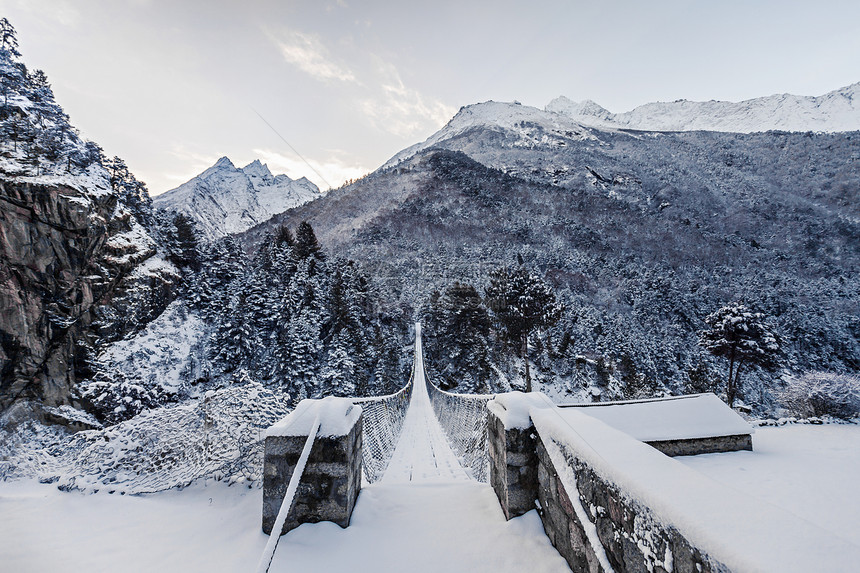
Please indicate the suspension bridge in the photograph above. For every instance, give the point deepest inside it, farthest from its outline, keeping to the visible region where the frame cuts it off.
(442, 476)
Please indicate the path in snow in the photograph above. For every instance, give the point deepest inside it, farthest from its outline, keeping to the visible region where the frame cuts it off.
(422, 528)
(422, 452)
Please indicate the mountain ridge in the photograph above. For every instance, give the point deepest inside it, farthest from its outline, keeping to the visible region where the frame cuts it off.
(226, 199)
(642, 233)
(838, 110)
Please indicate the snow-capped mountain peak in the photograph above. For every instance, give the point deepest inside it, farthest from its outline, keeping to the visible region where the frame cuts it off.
(528, 126)
(225, 199)
(259, 172)
(838, 110)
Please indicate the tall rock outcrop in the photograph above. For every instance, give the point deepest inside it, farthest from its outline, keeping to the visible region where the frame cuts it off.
(78, 265)
(72, 262)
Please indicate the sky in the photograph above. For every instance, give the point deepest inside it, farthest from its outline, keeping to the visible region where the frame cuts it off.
(331, 89)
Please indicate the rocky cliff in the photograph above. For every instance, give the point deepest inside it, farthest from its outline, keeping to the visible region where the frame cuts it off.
(76, 268)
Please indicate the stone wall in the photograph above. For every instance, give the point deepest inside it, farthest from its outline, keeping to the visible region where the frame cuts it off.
(631, 538)
(329, 486)
(513, 466)
(695, 446)
(622, 530)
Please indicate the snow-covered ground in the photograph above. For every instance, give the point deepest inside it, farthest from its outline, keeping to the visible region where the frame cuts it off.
(429, 526)
(811, 471)
(425, 516)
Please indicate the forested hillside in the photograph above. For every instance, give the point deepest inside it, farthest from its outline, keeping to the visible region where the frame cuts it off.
(642, 235)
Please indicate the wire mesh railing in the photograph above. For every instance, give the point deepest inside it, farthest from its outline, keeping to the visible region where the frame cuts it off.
(383, 418)
(463, 418)
(220, 436)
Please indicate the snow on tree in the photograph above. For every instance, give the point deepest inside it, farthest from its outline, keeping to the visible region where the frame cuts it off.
(339, 371)
(823, 394)
(459, 344)
(183, 246)
(521, 303)
(742, 337)
(306, 242)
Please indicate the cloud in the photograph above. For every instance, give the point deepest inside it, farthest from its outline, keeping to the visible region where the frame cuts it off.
(196, 164)
(401, 110)
(59, 11)
(308, 53)
(335, 170)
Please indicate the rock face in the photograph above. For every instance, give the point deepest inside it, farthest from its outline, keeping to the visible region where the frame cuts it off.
(72, 260)
(225, 199)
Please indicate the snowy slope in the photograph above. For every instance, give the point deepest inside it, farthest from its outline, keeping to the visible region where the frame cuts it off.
(225, 199)
(529, 125)
(838, 110)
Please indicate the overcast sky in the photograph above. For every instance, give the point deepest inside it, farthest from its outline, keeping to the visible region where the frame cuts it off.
(171, 86)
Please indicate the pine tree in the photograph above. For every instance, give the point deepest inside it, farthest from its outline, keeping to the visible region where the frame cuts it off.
(306, 242)
(521, 303)
(464, 326)
(339, 371)
(234, 343)
(741, 336)
(183, 244)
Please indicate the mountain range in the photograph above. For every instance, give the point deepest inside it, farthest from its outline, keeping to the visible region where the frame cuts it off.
(225, 199)
(838, 110)
(642, 233)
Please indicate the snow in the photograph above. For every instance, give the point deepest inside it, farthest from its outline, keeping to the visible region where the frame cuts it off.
(225, 199)
(568, 480)
(337, 418)
(809, 470)
(66, 412)
(155, 266)
(93, 181)
(832, 112)
(131, 246)
(673, 418)
(160, 353)
(422, 453)
(744, 532)
(426, 527)
(533, 126)
(514, 408)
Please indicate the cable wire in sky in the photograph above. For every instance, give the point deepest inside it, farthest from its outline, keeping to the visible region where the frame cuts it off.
(293, 148)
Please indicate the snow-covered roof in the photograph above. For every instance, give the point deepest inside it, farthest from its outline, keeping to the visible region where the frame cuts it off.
(672, 418)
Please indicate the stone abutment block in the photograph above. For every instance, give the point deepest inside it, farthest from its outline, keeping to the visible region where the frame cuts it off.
(329, 486)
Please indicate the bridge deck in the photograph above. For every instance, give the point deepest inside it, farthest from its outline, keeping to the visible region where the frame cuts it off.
(422, 452)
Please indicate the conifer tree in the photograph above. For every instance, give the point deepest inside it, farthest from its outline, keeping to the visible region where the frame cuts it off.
(464, 325)
(306, 242)
(521, 303)
(742, 337)
(183, 245)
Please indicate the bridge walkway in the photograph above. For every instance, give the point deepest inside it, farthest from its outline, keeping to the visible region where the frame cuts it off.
(422, 453)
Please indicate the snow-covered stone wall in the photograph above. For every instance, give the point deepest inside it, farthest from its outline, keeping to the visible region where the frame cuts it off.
(331, 480)
(610, 502)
